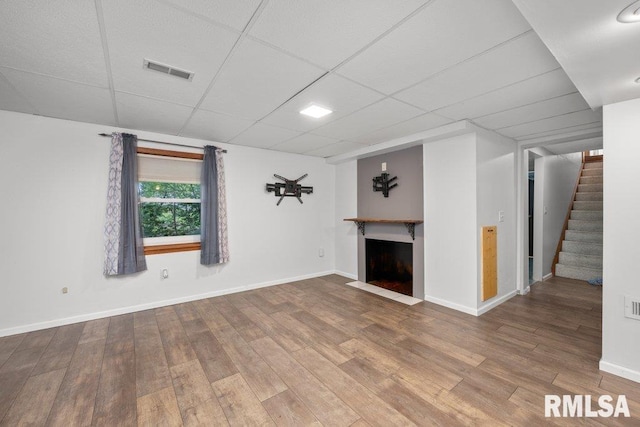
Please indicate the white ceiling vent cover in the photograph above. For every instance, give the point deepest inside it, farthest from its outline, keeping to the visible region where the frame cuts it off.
(167, 69)
(632, 308)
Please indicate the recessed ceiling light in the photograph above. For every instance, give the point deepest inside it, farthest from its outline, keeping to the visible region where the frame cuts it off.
(637, 80)
(315, 111)
(630, 13)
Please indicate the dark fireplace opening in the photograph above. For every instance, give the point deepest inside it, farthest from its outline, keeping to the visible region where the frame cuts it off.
(390, 265)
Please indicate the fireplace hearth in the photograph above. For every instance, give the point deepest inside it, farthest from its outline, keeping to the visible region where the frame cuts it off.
(389, 265)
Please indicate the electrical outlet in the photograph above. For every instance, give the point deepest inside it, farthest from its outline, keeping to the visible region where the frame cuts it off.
(164, 273)
(321, 252)
(384, 166)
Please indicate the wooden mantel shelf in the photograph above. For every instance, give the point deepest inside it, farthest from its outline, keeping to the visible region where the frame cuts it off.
(409, 223)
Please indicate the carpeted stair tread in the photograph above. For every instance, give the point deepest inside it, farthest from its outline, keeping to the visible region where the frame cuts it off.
(591, 180)
(586, 215)
(584, 248)
(586, 188)
(583, 236)
(580, 260)
(593, 165)
(578, 273)
(580, 225)
(592, 172)
(586, 196)
(592, 205)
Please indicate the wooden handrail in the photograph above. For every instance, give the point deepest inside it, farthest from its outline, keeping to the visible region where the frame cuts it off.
(556, 258)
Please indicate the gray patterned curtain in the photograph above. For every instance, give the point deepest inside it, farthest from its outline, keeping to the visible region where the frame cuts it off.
(124, 251)
(213, 209)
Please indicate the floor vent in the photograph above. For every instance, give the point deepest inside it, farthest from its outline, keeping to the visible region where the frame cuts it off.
(632, 308)
(167, 69)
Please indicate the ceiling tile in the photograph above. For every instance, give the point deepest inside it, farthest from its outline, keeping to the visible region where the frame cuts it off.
(532, 112)
(538, 88)
(377, 116)
(304, 143)
(233, 13)
(63, 99)
(58, 38)
(553, 123)
(597, 52)
(335, 149)
(136, 112)
(441, 35)
(263, 136)
(596, 127)
(146, 29)
(328, 32)
(256, 80)
(511, 62)
(12, 100)
(333, 92)
(215, 126)
(409, 127)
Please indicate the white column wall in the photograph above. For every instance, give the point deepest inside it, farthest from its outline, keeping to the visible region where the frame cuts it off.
(621, 251)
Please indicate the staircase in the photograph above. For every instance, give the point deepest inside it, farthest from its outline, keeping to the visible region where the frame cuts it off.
(579, 255)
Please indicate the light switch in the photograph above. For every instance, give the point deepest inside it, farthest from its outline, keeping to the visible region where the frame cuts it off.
(500, 216)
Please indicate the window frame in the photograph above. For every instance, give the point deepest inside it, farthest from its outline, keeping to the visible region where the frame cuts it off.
(163, 246)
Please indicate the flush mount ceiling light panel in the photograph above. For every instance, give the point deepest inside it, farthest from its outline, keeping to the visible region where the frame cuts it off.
(630, 13)
(315, 111)
(167, 69)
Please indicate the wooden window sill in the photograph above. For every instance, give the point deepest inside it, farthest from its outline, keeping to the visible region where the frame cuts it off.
(176, 247)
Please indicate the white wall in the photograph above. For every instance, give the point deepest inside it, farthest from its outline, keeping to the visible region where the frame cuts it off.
(554, 184)
(54, 175)
(467, 180)
(496, 191)
(346, 202)
(450, 266)
(620, 343)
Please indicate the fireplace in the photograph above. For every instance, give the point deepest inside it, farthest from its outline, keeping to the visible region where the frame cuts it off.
(389, 265)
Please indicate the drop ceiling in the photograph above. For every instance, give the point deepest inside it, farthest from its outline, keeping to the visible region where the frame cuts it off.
(387, 69)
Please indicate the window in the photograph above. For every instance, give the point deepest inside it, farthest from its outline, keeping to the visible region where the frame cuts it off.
(169, 188)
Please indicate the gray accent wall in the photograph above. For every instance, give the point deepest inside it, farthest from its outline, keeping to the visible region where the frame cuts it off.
(404, 202)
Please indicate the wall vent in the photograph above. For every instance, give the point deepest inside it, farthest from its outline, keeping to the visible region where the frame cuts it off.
(632, 308)
(167, 69)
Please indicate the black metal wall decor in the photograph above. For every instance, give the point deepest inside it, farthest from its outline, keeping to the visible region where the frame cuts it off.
(383, 183)
(290, 188)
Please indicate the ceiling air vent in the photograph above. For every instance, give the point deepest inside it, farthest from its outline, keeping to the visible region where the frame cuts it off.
(632, 308)
(167, 69)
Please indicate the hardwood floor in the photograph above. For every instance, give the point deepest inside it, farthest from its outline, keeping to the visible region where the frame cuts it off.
(315, 352)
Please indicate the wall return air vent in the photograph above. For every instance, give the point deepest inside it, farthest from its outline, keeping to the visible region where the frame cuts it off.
(167, 69)
(632, 308)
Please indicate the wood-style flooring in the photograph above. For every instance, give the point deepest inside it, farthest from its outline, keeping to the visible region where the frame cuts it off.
(315, 352)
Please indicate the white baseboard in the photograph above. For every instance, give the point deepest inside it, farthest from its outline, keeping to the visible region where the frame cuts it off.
(525, 290)
(470, 310)
(497, 302)
(453, 305)
(348, 275)
(141, 307)
(547, 276)
(620, 371)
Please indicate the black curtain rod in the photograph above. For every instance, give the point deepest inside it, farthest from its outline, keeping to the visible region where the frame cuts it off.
(162, 142)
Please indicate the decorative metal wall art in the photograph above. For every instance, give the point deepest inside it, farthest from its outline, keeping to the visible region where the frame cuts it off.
(383, 183)
(290, 188)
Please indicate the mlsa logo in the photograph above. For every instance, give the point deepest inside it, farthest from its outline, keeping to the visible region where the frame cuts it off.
(580, 406)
